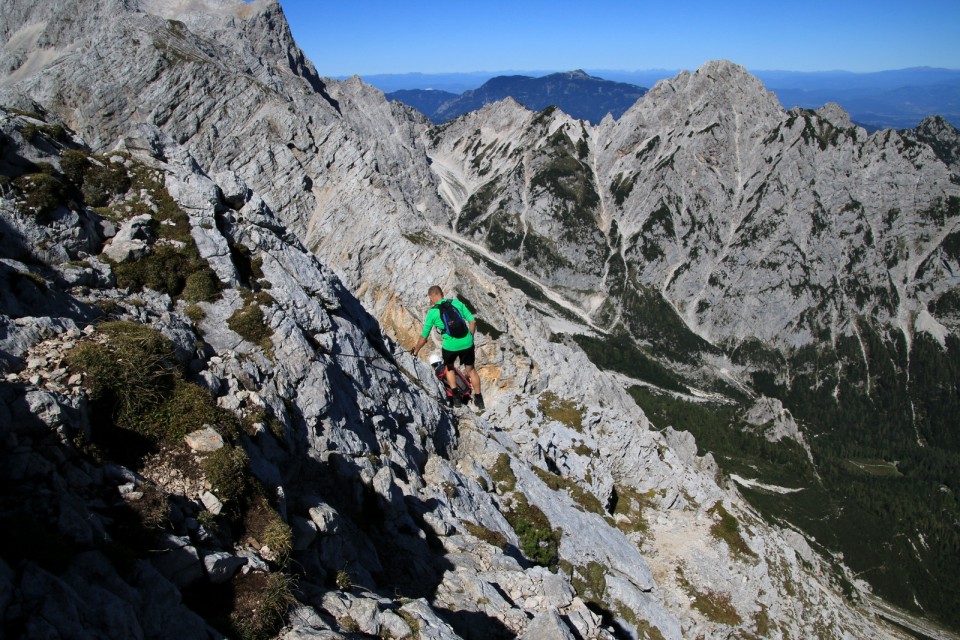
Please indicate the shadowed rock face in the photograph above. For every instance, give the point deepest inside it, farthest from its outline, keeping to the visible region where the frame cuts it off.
(745, 219)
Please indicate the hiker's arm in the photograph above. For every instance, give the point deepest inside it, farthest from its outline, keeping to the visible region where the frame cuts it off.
(473, 327)
(420, 342)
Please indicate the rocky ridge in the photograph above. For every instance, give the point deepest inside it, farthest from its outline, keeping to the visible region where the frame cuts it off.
(382, 489)
(321, 157)
(749, 220)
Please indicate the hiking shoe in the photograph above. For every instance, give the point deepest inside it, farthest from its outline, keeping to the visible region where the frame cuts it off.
(478, 402)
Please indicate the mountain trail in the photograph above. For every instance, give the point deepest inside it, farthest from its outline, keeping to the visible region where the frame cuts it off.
(545, 289)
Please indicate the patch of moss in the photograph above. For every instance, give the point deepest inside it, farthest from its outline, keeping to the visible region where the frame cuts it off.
(586, 500)
(259, 605)
(727, 528)
(227, 469)
(564, 411)
(715, 606)
(539, 542)
(502, 475)
(251, 324)
(630, 504)
(480, 532)
(590, 582)
(42, 193)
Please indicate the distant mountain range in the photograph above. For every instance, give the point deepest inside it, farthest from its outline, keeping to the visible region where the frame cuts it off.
(894, 99)
(576, 93)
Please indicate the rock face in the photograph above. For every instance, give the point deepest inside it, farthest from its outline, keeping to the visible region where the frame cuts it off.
(319, 214)
(750, 221)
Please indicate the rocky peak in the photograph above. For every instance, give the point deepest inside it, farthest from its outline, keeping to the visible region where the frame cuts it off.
(942, 137)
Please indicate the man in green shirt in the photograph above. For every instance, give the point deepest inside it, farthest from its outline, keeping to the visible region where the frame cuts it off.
(453, 347)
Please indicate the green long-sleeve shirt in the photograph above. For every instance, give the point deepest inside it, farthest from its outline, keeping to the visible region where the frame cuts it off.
(449, 342)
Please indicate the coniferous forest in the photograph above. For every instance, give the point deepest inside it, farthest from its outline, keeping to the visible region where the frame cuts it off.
(879, 488)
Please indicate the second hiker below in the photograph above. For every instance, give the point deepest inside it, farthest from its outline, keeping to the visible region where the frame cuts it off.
(457, 326)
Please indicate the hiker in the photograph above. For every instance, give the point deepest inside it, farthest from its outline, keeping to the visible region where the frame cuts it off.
(457, 325)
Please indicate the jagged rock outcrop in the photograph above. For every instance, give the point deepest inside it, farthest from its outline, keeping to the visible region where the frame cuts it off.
(375, 480)
(751, 221)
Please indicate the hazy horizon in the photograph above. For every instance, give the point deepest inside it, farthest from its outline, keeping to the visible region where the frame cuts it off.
(379, 38)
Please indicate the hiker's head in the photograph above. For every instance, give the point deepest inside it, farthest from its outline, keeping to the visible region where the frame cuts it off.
(435, 293)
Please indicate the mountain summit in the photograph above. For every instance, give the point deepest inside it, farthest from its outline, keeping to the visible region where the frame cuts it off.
(583, 96)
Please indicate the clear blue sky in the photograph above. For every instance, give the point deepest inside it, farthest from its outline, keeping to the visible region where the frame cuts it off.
(345, 38)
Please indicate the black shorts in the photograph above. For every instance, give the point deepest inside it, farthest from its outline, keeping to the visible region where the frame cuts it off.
(467, 356)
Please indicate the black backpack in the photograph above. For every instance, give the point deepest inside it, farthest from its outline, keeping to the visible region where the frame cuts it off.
(453, 323)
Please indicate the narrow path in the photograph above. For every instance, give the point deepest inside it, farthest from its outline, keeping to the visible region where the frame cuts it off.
(547, 291)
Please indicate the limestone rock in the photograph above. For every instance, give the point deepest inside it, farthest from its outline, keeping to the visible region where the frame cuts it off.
(130, 242)
(205, 440)
(333, 210)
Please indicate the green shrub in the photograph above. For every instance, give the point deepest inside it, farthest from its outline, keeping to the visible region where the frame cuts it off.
(185, 408)
(590, 582)
(165, 269)
(263, 523)
(104, 180)
(74, 164)
(227, 470)
(260, 604)
(480, 532)
(201, 286)
(539, 542)
(55, 132)
(130, 374)
(278, 536)
(250, 323)
(343, 581)
(42, 192)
